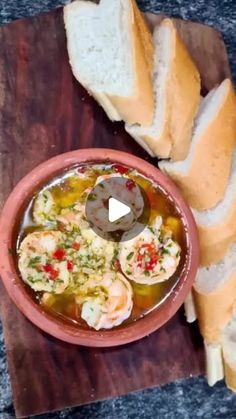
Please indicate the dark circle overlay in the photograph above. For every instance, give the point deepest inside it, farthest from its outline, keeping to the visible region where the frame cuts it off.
(129, 193)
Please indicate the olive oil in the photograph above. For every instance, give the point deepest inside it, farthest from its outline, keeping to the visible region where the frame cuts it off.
(69, 188)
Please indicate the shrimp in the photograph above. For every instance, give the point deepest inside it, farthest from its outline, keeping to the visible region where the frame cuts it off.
(45, 209)
(96, 255)
(73, 217)
(120, 188)
(106, 301)
(41, 262)
(151, 256)
(125, 189)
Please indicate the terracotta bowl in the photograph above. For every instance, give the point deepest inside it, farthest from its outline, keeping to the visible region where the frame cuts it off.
(19, 293)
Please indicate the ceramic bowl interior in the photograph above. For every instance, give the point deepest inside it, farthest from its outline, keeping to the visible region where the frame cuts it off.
(24, 300)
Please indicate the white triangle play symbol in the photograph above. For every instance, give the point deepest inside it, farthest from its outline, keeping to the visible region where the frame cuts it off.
(117, 210)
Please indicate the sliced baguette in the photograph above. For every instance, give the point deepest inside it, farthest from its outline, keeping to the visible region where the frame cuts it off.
(214, 363)
(214, 294)
(106, 104)
(203, 175)
(108, 58)
(189, 308)
(217, 226)
(177, 91)
(229, 354)
(145, 37)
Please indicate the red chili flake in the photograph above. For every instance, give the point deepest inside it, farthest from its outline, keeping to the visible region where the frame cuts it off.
(70, 265)
(47, 268)
(150, 265)
(117, 264)
(76, 246)
(148, 246)
(140, 257)
(53, 273)
(130, 184)
(153, 261)
(150, 251)
(59, 254)
(120, 169)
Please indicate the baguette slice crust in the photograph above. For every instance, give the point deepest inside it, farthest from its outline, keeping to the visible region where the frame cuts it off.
(203, 175)
(215, 296)
(138, 108)
(214, 363)
(189, 308)
(229, 354)
(107, 105)
(217, 227)
(177, 91)
(148, 47)
(108, 58)
(145, 37)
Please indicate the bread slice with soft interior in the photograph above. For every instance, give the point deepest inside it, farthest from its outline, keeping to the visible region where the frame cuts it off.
(203, 175)
(176, 83)
(228, 341)
(108, 57)
(214, 294)
(217, 226)
(213, 363)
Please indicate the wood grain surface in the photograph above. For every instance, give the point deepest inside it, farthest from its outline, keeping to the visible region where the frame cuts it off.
(44, 112)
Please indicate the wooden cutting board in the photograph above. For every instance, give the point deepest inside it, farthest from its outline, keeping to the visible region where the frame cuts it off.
(44, 112)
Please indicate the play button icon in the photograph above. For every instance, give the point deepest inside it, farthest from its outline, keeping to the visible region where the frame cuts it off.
(117, 210)
(117, 205)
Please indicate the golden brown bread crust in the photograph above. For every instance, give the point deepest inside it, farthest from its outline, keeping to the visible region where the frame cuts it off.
(106, 104)
(216, 240)
(183, 97)
(205, 182)
(145, 36)
(162, 147)
(215, 309)
(140, 107)
(181, 102)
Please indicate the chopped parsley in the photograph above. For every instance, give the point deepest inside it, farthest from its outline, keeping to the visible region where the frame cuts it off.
(45, 198)
(34, 280)
(34, 262)
(165, 251)
(151, 229)
(130, 255)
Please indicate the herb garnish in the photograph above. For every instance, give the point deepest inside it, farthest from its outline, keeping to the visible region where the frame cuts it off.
(34, 262)
(130, 255)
